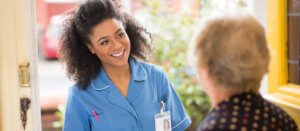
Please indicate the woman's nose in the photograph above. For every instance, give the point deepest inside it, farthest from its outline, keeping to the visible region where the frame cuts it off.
(116, 44)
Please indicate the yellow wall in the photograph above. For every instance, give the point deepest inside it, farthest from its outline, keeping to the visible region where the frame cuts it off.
(280, 91)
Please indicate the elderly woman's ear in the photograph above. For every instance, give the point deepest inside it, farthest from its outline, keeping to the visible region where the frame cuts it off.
(201, 73)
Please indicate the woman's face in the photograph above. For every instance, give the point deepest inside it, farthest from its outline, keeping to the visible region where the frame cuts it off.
(110, 43)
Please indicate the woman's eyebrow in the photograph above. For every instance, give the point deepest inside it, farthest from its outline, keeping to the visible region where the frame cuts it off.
(104, 37)
(118, 31)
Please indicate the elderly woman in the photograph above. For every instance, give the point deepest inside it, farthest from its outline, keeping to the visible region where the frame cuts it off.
(231, 57)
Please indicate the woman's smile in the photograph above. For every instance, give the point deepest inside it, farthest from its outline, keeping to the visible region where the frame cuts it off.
(119, 54)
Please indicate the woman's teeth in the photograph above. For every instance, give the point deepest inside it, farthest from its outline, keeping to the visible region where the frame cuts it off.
(118, 54)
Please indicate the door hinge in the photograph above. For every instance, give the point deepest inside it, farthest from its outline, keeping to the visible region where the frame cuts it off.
(24, 76)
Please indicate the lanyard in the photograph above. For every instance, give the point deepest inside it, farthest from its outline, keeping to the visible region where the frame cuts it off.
(162, 106)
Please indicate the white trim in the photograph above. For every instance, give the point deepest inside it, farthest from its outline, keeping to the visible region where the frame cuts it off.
(280, 101)
(97, 88)
(33, 54)
(180, 122)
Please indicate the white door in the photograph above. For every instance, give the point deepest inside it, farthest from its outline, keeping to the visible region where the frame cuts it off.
(19, 101)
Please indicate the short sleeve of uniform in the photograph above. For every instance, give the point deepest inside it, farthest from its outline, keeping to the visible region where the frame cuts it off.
(76, 118)
(180, 120)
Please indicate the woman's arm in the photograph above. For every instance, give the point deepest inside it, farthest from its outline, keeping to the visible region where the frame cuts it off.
(179, 119)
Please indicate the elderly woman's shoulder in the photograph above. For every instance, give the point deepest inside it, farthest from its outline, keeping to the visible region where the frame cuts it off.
(247, 111)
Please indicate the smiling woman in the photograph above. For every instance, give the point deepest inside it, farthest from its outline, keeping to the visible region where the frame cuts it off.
(114, 90)
(111, 44)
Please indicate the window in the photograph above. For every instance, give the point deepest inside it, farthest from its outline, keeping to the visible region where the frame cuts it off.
(293, 14)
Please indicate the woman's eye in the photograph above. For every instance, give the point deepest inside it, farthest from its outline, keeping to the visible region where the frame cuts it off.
(122, 34)
(104, 42)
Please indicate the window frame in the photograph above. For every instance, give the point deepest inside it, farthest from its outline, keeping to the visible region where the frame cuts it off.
(280, 91)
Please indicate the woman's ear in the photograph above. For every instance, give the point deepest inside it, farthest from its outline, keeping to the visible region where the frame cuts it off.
(201, 74)
(91, 48)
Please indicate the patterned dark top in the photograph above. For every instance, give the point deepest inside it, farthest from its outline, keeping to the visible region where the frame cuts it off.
(247, 111)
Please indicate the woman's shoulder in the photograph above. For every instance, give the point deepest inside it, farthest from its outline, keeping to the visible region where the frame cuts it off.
(75, 89)
(76, 94)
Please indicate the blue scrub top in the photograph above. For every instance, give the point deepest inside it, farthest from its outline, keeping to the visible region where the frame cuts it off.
(102, 107)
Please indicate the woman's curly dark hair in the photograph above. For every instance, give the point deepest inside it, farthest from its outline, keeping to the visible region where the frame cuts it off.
(82, 65)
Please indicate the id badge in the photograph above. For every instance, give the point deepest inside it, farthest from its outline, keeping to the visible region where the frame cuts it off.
(163, 120)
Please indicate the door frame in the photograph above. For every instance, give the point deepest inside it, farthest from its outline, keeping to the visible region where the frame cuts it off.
(18, 46)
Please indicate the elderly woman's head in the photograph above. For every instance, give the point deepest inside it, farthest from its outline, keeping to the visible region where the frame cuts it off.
(232, 53)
